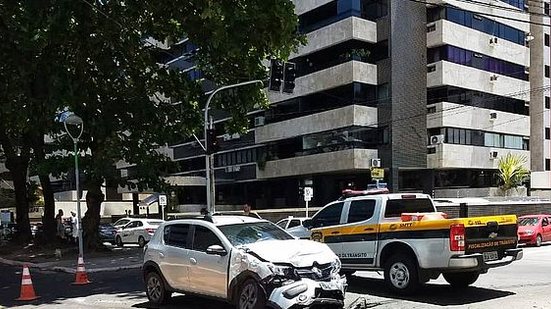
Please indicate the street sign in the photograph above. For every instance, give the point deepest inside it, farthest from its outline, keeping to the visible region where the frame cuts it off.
(377, 173)
(308, 193)
(162, 200)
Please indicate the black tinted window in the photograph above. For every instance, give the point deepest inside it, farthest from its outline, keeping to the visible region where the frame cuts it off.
(132, 224)
(361, 210)
(395, 208)
(294, 223)
(204, 238)
(139, 223)
(176, 235)
(330, 215)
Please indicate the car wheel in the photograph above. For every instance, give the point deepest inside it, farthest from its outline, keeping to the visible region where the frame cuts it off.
(538, 240)
(155, 289)
(141, 241)
(401, 274)
(119, 242)
(251, 296)
(461, 280)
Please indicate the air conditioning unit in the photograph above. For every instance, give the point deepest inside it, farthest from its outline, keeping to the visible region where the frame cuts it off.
(437, 139)
(259, 121)
(493, 41)
(226, 137)
(493, 78)
(493, 116)
(493, 155)
(232, 169)
(375, 162)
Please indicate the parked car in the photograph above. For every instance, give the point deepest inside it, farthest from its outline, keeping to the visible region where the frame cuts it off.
(245, 261)
(107, 232)
(137, 231)
(293, 226)
(534, 229)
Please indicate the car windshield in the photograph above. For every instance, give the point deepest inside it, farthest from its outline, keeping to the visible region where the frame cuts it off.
(242, 234)
(528, 221)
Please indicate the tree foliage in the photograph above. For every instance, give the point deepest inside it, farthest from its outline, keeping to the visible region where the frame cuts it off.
(512, 171)
(96, 59)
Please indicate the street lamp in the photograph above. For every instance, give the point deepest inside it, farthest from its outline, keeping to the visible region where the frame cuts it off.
(71, 119)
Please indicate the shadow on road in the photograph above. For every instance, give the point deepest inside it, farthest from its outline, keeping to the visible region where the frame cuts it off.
(187, 302)
(435, 294)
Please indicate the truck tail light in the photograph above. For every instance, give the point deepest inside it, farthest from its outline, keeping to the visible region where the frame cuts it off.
(457, 237)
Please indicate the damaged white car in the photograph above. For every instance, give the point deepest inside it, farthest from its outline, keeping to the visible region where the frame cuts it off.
(245, 261)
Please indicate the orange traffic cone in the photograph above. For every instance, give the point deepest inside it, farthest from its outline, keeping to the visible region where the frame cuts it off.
(81, 276)
(27, 290)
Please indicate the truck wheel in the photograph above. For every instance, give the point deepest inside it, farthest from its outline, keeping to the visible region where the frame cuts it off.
(401, 274)
(461, 280)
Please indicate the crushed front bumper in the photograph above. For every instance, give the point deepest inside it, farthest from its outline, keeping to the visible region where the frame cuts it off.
(307, 293)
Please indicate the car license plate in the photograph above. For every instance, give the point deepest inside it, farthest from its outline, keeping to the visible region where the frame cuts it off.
(490, 256)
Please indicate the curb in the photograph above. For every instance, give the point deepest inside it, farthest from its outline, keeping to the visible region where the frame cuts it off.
(49, 266)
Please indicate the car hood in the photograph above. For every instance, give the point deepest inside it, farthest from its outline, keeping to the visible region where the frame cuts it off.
(299, 253)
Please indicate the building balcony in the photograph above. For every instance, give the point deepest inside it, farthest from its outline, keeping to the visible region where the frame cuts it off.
(444, 32)
(339, 75)
(467, 156)
(444, 73)
(353, 115)
(453, 115)
(351, 28)
(330, 162)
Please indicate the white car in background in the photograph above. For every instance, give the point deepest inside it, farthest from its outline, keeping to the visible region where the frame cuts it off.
(294, 226)
(137, 231)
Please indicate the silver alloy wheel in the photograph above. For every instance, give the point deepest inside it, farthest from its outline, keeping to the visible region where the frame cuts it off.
(141, 241)
(538, 241)
(154, 289)
(248, 296)
(399, 275)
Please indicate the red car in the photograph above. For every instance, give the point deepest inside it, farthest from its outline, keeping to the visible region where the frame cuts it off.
(534, 229)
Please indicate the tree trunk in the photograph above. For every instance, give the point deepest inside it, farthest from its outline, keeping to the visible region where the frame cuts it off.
(91, 220)
(48, 221)
(18, 169)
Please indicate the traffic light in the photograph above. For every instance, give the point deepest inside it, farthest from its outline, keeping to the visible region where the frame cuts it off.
(276, 75)
(290, 74)
(212, 142)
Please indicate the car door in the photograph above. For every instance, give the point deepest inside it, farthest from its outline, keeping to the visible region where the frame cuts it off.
(546, 229)
(359, 234)
(138, 230)
(326, 226)
(127, 231)
(208, 274)
(174, 261)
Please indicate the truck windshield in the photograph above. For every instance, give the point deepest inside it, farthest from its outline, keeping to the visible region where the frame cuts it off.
(395, 208)
(242, 234)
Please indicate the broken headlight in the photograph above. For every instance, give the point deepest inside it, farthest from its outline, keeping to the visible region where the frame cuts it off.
(336, 266)
(283, 274)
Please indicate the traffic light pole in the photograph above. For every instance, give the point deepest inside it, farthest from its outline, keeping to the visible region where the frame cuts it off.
(209, 171)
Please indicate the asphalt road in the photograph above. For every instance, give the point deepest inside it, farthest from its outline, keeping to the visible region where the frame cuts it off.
(524, 284)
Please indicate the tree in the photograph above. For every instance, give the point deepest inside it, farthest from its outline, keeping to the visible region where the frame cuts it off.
(512, 171)
(98, 63)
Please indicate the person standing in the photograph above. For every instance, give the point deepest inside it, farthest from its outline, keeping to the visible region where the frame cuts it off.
(59, 221)
(247, 211)
(75, 224)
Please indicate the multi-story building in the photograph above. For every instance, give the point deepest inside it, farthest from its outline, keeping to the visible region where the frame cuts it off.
(438, 90)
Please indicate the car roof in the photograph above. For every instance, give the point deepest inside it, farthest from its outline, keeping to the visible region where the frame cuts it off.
(220, 220)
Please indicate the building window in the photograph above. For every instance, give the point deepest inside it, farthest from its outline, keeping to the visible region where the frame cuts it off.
(547, 102)
(546, 39)
(546, 71)
(547, 164)
(547, 133)
(546, 8)
(480, 138)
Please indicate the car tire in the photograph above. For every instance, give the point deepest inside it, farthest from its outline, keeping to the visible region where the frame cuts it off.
(461, 280)
(118, 241)
(401, 274)
(250, 296)
(141, 241)
(538, 240)
(155, 289)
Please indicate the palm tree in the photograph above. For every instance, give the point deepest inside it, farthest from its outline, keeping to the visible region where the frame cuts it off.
(512, 172)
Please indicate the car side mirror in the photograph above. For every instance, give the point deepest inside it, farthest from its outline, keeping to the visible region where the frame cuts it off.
(216, 250)
(308, 223)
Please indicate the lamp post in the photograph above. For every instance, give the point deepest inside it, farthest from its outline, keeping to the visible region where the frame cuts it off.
(70, 118)
(208, 156)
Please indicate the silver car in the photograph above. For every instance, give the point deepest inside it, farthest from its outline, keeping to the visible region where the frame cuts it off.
(294, 226)
(137, 231)
(245, 261)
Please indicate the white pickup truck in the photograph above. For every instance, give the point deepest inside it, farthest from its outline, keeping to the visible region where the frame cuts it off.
(403, 235)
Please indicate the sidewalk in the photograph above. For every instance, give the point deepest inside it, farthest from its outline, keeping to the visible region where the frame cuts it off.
(112, 260)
